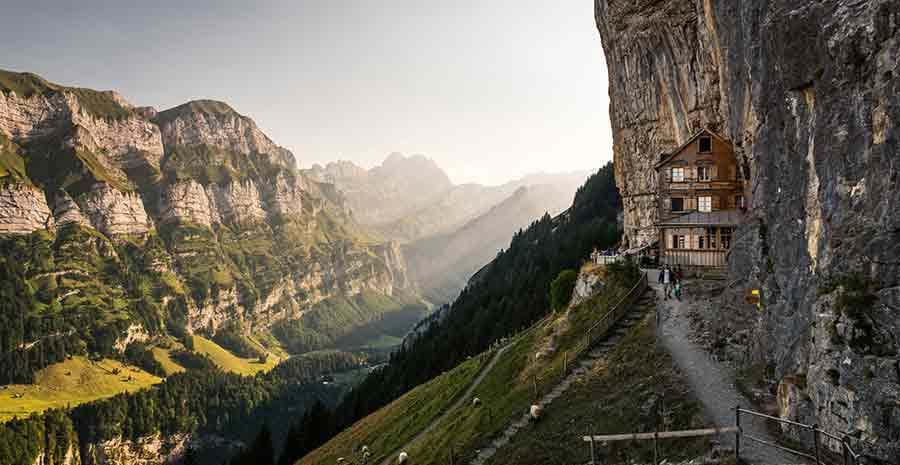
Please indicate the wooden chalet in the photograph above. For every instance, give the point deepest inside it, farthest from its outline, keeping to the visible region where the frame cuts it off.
(701, 202)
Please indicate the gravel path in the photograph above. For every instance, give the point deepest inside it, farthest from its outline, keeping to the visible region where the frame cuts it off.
(713, 383)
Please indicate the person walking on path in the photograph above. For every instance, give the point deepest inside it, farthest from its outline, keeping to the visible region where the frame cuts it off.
(667, 281)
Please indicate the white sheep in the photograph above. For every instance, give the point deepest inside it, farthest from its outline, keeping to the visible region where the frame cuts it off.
(476, 402)
(341, 460)
(535, 412)
(365, 449)
(402, 458)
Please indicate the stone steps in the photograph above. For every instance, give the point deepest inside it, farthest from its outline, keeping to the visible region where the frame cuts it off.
(645, 304)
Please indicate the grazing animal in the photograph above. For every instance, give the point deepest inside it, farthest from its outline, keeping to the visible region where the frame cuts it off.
(476, 402)
(402, 458)
(535, 412)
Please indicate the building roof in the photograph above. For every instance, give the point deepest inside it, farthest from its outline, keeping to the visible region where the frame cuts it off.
(716, 218)
(668, 157)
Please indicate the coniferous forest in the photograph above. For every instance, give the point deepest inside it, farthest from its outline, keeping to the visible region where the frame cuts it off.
(504, 297)
(288, 405)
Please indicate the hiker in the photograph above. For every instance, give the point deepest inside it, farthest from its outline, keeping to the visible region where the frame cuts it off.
(660, 277)
(667, 281)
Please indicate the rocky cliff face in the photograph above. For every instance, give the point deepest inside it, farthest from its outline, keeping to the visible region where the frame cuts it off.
(807, 92)
(193, 212)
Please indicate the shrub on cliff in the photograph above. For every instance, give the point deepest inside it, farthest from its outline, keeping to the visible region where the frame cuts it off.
(561, 288)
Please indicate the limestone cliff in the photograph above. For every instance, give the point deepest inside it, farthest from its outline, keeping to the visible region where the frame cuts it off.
(808, 93)
(134, 220)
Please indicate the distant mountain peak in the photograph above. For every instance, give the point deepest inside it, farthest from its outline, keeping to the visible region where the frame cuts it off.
(202, 106)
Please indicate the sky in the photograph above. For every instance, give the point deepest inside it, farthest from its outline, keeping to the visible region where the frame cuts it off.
(489, 89)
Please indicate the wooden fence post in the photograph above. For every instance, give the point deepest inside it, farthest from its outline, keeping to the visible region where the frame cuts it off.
(815, 429)
(656, 436)
(737, 433)
(593, 457)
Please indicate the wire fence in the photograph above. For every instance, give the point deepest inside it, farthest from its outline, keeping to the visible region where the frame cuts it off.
(818, 454)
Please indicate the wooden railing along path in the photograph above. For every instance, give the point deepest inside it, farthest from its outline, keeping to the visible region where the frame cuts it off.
(599, 329)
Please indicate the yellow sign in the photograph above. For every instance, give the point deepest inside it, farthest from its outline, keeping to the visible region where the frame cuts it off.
(754, 297)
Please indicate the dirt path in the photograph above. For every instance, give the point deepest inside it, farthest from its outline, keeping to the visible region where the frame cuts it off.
(712, 382)
(616, 333)
(465, 397)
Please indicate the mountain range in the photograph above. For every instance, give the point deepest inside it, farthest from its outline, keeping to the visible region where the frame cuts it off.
(447, 230)
(131, 224)
(171, 243)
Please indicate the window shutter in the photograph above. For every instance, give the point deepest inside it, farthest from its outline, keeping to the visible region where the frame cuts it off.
(714, 172)
(716, 204)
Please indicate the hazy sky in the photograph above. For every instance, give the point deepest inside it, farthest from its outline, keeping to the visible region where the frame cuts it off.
(490, 89)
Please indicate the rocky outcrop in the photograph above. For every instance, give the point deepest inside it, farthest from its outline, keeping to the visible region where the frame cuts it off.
(238, 203)
(114, 212)
(589, 282)
(150, 450)
(188, 202)
(23, 209)
(807, 93)
(212, 123)
(242, 234)
(71, 457)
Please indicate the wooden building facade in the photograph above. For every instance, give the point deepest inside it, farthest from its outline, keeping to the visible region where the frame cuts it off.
(701, 201)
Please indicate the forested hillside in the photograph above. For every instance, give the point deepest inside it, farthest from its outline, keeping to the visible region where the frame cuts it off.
(507, 295)
(206, 409)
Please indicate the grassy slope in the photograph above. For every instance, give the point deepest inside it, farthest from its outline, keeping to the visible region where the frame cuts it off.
(617, 396)
(508, 389)
(396, 423)
(228, 361)
(100, 104)
(72, 382)
(12, 165)
(164, 358)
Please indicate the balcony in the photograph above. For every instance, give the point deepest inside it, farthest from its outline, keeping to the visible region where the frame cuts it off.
(693, 183)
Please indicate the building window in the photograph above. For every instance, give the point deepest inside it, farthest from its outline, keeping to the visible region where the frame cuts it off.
(677, 174)
(678, 241)
(704, 145)
(726, 238)
(677, 204)
(739, 201)
(711, 238)
(701, 242)
(704, 173)
(704, 204)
